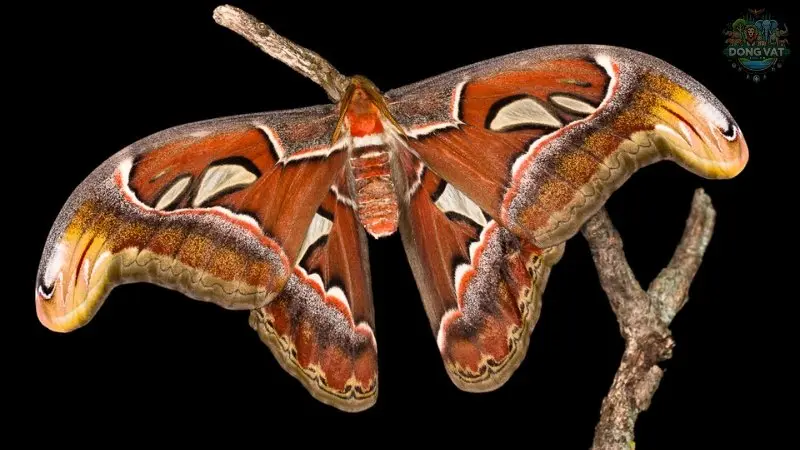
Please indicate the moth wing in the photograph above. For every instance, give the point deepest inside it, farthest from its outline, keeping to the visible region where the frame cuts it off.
(217, 210)
(540, 139)
(321, 326)
(481, 285)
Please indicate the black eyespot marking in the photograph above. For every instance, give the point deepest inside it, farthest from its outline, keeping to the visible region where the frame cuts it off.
(730, 132)
(46, 290)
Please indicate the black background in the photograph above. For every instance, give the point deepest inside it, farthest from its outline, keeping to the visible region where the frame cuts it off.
(99, 78)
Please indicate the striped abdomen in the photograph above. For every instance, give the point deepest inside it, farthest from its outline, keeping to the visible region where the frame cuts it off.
(375, 194)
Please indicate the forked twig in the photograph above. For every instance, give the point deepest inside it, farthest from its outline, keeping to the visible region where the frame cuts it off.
(644, 316)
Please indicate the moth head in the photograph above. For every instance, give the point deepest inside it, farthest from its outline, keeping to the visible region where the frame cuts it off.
(73, 281)
(697, 132)
(363, 110)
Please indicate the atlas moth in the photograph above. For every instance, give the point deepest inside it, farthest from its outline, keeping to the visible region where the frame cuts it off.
(485, 172)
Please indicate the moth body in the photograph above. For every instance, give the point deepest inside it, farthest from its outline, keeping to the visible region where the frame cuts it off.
(363, 114)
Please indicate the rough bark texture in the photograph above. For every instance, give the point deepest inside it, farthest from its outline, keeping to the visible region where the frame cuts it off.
(644, 316)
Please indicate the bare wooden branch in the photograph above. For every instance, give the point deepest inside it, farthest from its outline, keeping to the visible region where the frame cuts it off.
(629, 301)
(299, 58)
(644, 317)
(671, 287)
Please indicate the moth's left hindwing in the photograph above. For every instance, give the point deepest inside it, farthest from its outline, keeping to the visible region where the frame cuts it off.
(321, 325)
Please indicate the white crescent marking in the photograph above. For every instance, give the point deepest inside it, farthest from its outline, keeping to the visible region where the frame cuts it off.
(124, 171)
(572, 104)
(320, 226)
(525, 111)
(453, 200)
(603, 61)
(219, 178)
(173, 192)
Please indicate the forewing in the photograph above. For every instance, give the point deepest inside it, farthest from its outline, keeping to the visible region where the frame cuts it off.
(540, 139)
(216, 210)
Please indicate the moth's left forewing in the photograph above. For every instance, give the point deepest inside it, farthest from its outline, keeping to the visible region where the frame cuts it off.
(540, 139)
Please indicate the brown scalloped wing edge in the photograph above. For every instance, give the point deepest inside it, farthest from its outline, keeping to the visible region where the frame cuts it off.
(313, 337)
(484, 342)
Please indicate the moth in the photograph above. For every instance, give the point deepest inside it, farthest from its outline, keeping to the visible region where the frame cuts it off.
(485, 172)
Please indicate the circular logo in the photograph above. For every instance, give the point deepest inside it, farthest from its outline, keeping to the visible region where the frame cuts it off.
(756, 44)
